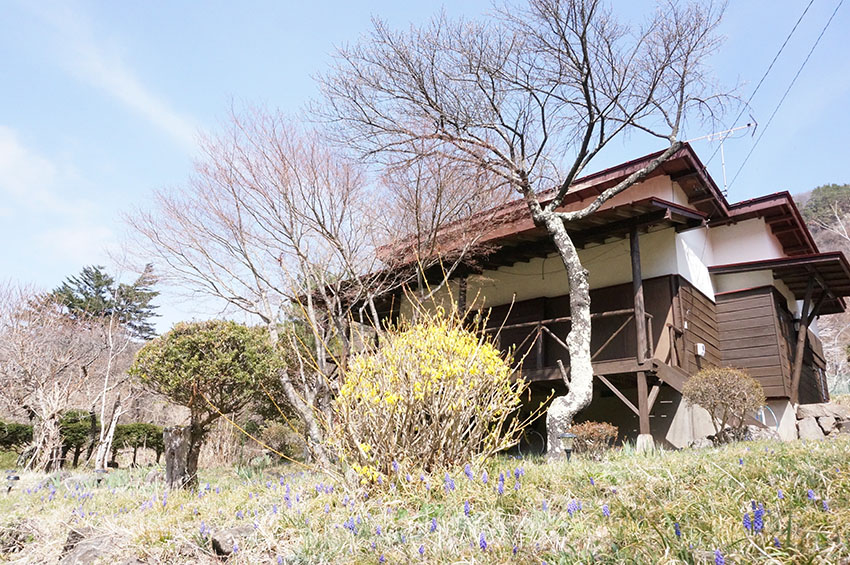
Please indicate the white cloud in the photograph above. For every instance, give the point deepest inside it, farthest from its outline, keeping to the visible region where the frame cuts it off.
(101, 67)
(24, 175)
(79, 243)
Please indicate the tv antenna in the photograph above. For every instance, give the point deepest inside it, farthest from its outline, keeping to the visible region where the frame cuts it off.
(722, 136)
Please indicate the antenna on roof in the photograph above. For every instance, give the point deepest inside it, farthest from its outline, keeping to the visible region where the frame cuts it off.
(721, 136)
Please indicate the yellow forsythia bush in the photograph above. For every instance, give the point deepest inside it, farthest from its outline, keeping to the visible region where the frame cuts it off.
(431, 395)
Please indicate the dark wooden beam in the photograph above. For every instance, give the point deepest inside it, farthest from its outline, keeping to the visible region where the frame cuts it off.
(802, 334)
(643, 403)
(637, 287)
(620, 395)
(619, 228)
(653, 395)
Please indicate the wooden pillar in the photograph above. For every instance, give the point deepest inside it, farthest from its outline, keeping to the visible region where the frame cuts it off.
(644, 440)
(637, 287)
(461, 297)
(802, 334)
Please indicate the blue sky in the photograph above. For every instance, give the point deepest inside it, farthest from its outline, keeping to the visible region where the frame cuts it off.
(101, 102)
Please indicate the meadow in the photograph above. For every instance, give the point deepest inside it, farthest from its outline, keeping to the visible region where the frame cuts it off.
(752, 502)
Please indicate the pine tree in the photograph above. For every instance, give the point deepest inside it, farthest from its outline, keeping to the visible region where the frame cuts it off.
(95, 293)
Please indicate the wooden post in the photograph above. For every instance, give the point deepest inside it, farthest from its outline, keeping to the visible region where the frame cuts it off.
(461, 297)
(802, 334)
(645, 441)
(637, 286)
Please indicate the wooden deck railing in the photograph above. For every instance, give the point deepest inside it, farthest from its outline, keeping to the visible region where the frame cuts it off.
(540, 328)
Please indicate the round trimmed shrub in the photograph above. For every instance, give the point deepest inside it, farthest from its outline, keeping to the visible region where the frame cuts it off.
(729, 395)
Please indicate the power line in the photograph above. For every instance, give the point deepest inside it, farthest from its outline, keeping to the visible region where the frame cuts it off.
(787, 90)
(767, 72)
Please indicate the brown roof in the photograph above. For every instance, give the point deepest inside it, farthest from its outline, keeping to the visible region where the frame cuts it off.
(830, 272)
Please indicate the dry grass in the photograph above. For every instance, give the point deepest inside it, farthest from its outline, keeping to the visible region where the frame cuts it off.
(551, 512)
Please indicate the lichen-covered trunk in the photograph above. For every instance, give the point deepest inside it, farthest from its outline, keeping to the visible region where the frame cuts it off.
(45, 452)
(563, 409)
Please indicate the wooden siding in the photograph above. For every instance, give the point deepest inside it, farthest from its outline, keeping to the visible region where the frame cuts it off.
(699, 324)
(750, 329)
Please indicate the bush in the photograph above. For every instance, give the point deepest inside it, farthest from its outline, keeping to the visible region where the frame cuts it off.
(729, 395)
(212, 368)
(432, 394)
(138, 435)
(593, 439)
(13, 436)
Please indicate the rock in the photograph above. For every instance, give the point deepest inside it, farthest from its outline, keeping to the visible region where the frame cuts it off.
(85, 545)
(701, 443)
(837, 411)
(842, 427)
(223, 542)
(154, 476)
(812, 411)
(808, 428)
(827, 423)
(758, 433)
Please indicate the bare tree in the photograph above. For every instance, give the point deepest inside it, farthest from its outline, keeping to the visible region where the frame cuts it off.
(45, 358)
(278, 225)
(532, 96)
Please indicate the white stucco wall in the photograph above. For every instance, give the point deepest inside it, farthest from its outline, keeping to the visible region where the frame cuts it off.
(750, 240)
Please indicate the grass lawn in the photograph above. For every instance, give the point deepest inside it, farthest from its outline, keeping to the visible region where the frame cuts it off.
(691, 506)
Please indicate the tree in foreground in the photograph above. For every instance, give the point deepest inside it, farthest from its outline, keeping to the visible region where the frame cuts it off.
(729, 396)
(212, 368)
(532, 96)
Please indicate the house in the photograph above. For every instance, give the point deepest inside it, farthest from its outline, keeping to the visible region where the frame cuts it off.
(680, 279)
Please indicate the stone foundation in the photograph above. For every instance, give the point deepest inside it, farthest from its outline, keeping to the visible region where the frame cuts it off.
(819, 421)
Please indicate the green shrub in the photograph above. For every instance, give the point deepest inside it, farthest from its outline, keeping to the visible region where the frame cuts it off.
(432, 394)
(593, 439)
(729, 396)
(14, 436)
(138, 435)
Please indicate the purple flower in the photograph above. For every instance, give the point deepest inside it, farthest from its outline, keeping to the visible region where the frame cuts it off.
(592, 482)
(605, 510)
(466, 508)
(779, 494)
(395, 466)
(467, 470)
(825, 506)
(811, 494)
(516, 484)
(449, 483)
(408, 477)
(515, 549)
(748, 525)
(545, 506)
(500, 488)
(740, 461)
(776, 542)
(572, 507)
(433, 525)
(482, 543)
(382, 559)
(718, 558)
(378, 530)
(484, 477)
(677, 530)
(274, 508)
(421, 550)
(758, 519)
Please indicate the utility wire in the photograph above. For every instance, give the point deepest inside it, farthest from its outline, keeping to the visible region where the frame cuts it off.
(787, 90)
(764, 76)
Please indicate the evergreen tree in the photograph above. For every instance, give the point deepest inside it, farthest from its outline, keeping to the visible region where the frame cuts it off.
(95, 293)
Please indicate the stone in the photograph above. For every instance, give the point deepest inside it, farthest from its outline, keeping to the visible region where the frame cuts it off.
(842, 427)
(827, 423)
(758, 433)
(86, 545)
(645, 443)
(176, 440)
(808, 428)
(813, 411)
(224, 541)
(154, 476)
(701, 443)
(837, 411)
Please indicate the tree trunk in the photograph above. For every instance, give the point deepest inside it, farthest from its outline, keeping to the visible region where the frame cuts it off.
(562, 410)
(105, 446)
(46, 450)
(176, 442)
(93, 437)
